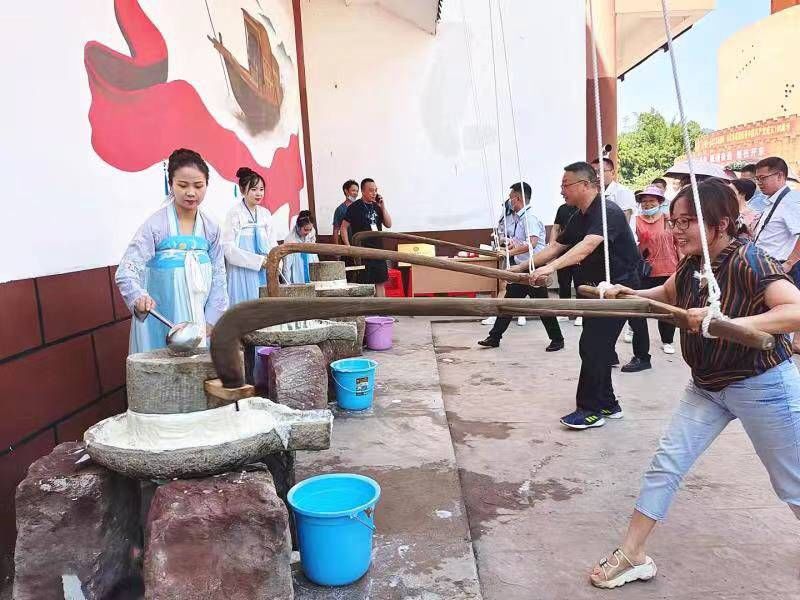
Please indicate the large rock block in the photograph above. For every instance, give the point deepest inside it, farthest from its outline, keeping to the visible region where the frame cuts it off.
(361, 328)
(160, 383)
(77, 526)
(223, 537)
(290, 290)
(298, 377)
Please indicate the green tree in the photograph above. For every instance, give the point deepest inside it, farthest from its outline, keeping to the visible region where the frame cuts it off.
(651, 147)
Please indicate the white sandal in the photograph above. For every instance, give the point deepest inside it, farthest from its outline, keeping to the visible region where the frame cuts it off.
(619, 574)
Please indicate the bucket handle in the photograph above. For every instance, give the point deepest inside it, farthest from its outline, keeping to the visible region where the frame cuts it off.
(369, 512)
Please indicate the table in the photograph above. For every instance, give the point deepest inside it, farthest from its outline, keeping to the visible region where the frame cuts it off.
(428, 280)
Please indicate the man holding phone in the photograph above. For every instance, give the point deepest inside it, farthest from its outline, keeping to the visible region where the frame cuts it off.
(368, 213)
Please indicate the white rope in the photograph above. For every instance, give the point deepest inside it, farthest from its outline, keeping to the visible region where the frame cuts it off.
(705, 274)
(602, 165)
(476, 106)
(514, 126)
(499, 139)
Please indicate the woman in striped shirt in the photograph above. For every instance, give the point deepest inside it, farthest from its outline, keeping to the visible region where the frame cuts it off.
(729, 381)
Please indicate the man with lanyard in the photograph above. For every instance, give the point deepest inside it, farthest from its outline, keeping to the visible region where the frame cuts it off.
(527, 230)
(582, 244)
(778, 229)
(368, 213)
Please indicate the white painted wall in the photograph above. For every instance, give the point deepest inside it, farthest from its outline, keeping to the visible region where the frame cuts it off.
(389, 101)
(63, 207)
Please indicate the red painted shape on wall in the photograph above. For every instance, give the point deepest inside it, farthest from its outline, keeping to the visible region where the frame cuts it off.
(138, 117)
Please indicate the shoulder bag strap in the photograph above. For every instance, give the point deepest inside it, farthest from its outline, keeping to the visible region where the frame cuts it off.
(771, 212)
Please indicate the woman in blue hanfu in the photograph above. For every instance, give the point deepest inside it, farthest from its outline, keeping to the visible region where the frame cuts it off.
(175, 261)
(247, 238)
(295, 266)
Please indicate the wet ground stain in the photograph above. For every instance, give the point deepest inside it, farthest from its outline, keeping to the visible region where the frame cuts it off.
(448, 349)
(461, 429)
(487, 498)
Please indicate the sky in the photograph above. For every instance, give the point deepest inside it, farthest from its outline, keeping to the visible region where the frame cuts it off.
(650, 85)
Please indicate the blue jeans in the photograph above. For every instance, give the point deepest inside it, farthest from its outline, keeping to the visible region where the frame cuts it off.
(768, 405)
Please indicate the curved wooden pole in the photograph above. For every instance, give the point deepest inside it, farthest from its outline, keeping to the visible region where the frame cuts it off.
(727, 330)
(226, 344)
(394, 235)
(278, 252)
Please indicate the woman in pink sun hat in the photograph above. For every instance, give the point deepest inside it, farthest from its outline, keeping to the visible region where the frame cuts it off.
(658, 250)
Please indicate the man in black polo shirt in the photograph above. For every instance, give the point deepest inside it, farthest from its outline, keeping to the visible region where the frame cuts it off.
(368, 213)
(581, 244)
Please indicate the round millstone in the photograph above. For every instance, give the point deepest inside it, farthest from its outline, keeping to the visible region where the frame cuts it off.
(160, 383)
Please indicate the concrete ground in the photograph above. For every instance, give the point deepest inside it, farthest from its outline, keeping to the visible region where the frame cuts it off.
(544, 503)
(422, 548)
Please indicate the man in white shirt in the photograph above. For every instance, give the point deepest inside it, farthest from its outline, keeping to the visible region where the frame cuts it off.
(622, 196)
(777, 231)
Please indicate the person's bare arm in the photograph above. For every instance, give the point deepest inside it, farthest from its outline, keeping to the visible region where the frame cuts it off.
(555, 231)
(783, 315)
(548, 254)
(343, 232)
(387, 218)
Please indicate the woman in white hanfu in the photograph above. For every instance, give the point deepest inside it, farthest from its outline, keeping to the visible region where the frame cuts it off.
(247, 238)
(175, 261)
(295, 266)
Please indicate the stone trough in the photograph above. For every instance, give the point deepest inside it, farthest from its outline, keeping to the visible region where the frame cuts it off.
(164, 446)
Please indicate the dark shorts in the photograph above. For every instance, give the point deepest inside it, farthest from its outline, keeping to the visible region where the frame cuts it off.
(375, 271)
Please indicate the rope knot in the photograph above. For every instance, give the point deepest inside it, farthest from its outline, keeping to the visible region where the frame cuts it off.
(714, 297)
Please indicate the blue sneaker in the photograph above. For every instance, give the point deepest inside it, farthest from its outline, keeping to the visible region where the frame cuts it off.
(612, 413)
(583, 419)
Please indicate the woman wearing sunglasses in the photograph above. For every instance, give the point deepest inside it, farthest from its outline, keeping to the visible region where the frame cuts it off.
(729, 381)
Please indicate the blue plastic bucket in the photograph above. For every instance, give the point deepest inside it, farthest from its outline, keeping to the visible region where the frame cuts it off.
(334, 518)
(354, 380)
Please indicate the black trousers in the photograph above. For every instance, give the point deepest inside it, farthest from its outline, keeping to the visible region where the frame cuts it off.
(665, 330)
(517, 290)
(595, 390)
(565, 277)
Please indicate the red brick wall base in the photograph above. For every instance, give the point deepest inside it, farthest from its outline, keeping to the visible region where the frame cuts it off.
(63, 344)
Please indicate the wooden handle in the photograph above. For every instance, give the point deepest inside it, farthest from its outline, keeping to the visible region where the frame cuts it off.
(726, 330)
(278, 252)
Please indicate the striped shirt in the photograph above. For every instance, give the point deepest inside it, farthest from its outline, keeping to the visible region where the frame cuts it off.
(743, 273)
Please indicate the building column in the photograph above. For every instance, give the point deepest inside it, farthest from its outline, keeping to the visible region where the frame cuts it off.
(605, 33)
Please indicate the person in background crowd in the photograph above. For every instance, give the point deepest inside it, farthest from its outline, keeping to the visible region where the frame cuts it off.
(626, 200)
(505, 229)
(368, 213)
(662, 184)
(657, 246)
(247, 237)
(175, 262)
(295, 266)
(566, 275)
(527, 230)
(729, 381)
(350, 190)
(759, 200)
(615, 191)
(582, 244)
(744, 190)
(777, 231)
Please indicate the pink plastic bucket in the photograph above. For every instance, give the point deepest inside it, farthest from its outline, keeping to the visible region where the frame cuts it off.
(378, 333)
